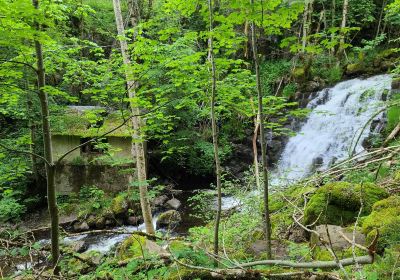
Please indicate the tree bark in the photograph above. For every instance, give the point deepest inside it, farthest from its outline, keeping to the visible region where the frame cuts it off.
(267, 222)
(214, 130)
(342, 27)
(138, 149)
(48, 153)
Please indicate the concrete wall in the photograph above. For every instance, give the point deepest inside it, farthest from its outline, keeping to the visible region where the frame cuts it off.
(71, 178)
(122, 146)
(76, 171)
(62, 144)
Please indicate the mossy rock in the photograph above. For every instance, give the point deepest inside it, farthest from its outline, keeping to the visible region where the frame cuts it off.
(170, 218)
(396, 84)
(338, 203)
(299, 74)
(136, 246)
(356, 69)
(119, 205)
(385, 217)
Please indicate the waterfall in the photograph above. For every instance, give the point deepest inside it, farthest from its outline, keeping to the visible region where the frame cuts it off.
(336, 120)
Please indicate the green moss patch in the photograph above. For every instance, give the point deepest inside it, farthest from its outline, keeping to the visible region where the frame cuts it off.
(338, 203)
(385, 217)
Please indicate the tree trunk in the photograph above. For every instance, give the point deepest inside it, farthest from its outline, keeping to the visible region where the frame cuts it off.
(255, 152)
(342, 27)
(48, 153)
(138, 151)
(214, 130)
(267, 222)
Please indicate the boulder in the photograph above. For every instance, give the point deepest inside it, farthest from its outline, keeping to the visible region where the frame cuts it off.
(119, 205)
(173, 204)
(336, 236)
(385, 217)
(171, 218)
(100, 222)
(81, 226)
(137, 245)
(355, 69)
(134, 220)
(343, 201)
(160, 200)
(78, 246)
(396, 84)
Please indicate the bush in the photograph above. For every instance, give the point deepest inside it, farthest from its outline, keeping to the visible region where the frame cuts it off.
(10, 209)
(338, 203)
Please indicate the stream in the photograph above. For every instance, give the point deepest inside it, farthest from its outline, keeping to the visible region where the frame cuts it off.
(337, 115)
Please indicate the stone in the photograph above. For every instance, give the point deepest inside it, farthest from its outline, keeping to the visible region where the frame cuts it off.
(119, 205)
(81, 226)
(355, 69)
(79, 246)
(134, 220)
(160, 200)
(100, 223)
(109, 222)
(91, 221)
(173, 204)
(171, 218)
(137, 245)
(343, 202)
(396, 83)
(259, 247)
(335, 234)
(312, 86)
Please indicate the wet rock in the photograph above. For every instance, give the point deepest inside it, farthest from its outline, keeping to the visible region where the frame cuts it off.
(109, 222)
(312, 86)
(79, 246)
(335, 234)
(91, 221)
(355, 69)
(134, 220)
(171, 218)
(259, 248)
(173, 204)
(396, 84)
(100, 223)
(160, 200)
(119, 205)
(81, 226)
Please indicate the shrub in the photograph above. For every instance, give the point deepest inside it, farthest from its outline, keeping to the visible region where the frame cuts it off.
(10, 209)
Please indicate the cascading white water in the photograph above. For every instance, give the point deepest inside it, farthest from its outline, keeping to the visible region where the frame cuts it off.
(337, 115)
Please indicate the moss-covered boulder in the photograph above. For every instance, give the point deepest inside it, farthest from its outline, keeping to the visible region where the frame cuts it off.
(354, 69)
(136, 246)
(119, 205)
(396, 84)
(338, 203)
(385, 217)
(170, 218)
(299, 74)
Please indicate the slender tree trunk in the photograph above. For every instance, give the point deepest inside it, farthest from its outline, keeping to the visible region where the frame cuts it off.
(214, 130)
(304, 35)
(380, 18)
(342, 27)
(255, 152)
(138, 151)
(267, 222)
(48, 153)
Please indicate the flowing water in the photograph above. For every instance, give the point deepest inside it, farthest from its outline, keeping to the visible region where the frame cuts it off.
(330, 132)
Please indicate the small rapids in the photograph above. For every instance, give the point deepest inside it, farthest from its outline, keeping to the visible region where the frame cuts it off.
(330, 132)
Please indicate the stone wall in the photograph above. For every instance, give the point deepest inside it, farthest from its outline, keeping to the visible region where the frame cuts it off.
(71, 178)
